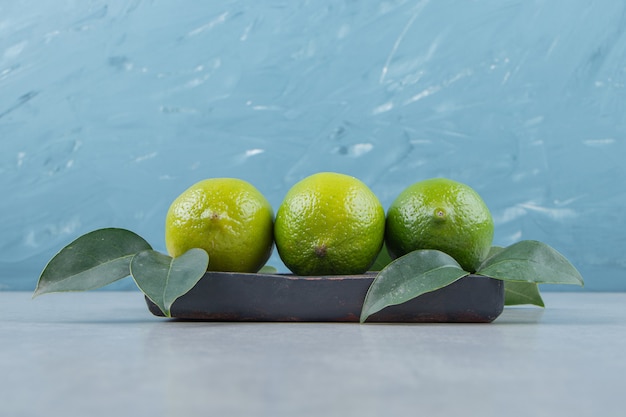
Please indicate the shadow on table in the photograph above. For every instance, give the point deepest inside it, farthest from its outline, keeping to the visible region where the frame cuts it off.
(520, 315)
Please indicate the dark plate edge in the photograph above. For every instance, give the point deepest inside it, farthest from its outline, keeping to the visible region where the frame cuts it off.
(414, 311)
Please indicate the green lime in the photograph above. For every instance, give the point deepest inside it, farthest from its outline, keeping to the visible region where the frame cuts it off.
(329, 224)
(227, 217)
(440, 214)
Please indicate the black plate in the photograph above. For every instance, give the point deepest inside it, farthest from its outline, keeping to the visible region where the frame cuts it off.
(226, 296)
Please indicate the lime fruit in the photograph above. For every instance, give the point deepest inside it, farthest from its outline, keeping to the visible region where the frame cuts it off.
(329, 224)
(227, 217)
(440, 214)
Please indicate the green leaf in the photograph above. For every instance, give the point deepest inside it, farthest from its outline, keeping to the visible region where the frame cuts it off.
(91, 261)
(494, 250)
(268, 269)
(163, 279)
(530, 261)
(382, 260)
(410, 276)
(517, 293)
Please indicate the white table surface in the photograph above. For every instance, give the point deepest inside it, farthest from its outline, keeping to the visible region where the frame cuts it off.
(103, 354)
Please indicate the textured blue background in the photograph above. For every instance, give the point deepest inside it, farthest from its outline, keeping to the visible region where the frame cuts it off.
(108, 110)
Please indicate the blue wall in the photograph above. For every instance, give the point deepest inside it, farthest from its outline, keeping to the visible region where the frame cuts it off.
(108, 110)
